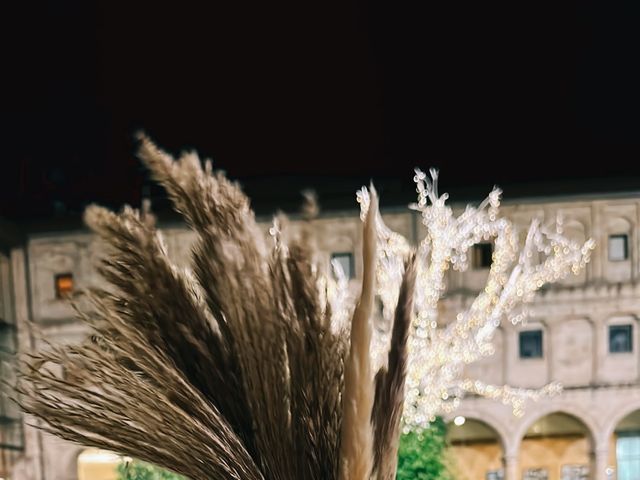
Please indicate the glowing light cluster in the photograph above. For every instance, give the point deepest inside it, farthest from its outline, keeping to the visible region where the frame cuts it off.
(439, 350)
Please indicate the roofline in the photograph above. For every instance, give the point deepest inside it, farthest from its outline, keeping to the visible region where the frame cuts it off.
(170, 219)
(562, 198)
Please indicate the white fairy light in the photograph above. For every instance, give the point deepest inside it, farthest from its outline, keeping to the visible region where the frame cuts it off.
(459, 421)
(437, 354)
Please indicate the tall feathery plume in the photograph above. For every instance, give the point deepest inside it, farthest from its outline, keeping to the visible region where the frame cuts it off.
(231, 264)
(356, 452)
(390, 382)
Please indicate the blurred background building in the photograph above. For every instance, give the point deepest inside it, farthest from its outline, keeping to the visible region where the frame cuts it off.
(582, 332)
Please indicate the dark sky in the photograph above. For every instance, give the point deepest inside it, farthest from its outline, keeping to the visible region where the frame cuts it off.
(490, 92)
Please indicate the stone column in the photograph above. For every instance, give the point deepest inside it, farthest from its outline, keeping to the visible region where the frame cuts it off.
(510, 465)
(598, 465)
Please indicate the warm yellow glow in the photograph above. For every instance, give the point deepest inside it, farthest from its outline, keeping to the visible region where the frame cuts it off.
(474, 461)
(94, 464)
(64, 285)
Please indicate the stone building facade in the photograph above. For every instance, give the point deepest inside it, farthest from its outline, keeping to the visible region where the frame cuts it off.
(582, 332)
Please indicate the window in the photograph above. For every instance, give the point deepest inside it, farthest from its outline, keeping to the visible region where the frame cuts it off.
(482, 255)
(618, 248)
(620, 338)
(345, 260)
(531, 344)
(628, 455)
(64, 285)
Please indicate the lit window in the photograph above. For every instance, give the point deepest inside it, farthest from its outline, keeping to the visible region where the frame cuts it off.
(618, 248)
(482, 255)
(345, 260)
(620, 338)
(64, 285)
(531, 344)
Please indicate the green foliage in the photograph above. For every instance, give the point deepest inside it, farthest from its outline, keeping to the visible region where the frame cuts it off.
(143, 471)
(422, 456)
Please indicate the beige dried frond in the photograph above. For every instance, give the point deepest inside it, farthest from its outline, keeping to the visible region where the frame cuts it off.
(357, 434)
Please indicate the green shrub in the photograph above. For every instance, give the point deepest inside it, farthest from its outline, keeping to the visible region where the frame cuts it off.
(422, 456)
(136, 470)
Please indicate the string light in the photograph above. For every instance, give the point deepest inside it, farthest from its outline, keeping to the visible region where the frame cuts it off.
(459, 421)
(438, 353)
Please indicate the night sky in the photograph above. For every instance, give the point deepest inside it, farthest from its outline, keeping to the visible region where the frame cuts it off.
(286, 93)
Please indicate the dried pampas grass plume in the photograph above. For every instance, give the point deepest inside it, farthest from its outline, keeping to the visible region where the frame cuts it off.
(357, 403)
(233, 367)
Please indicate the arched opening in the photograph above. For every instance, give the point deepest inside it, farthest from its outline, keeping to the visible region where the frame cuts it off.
(94, 464)
(625, 448)
(557, 446)
(475, 450)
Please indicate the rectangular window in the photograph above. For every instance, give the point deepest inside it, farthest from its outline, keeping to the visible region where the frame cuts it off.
(618, 247)
(64, 285)
(628, 455)
(531, 344)
(620, 338)
(345, 260)
(482, 255)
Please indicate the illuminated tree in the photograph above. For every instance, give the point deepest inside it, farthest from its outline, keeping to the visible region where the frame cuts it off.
(437, 354)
